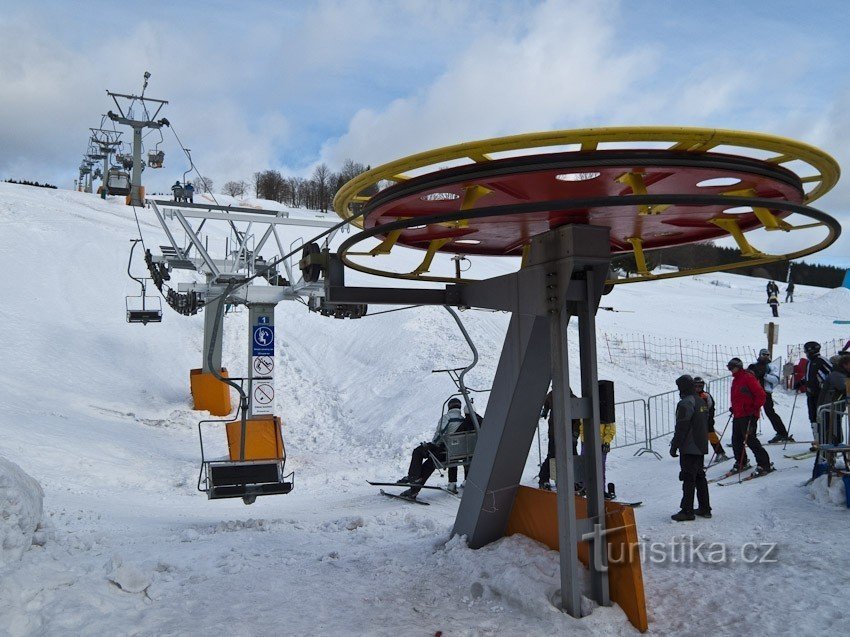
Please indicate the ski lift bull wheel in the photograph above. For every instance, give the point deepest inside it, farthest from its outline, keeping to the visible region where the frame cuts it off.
(311, 267)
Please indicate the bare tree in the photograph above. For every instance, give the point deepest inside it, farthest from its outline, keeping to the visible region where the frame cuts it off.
(235, 188)
(202, 184)
(321, 180)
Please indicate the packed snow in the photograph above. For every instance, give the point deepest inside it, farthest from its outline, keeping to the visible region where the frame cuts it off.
(98, 413)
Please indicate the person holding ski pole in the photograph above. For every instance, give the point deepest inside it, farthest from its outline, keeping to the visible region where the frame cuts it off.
(691, 439)
(747, 397)
(768, 376)
(713, 438)
(817, 370)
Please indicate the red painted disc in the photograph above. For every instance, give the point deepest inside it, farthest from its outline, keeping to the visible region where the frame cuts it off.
(562, 176)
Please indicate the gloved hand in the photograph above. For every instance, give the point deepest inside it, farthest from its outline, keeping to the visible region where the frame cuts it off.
(606, 448)
(674, 452)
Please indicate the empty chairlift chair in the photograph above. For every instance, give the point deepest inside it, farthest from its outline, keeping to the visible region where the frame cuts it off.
(118, 181)
(142, 309)
(250, 470)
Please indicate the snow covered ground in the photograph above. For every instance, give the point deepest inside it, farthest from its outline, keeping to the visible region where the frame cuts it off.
(98, 413)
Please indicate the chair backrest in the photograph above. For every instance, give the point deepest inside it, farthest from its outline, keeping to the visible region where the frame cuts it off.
(460, 446)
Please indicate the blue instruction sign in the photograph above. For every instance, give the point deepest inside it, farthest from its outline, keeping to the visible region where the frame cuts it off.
(262, 343)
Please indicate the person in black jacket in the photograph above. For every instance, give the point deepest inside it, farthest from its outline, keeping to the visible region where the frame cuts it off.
(691, 439)
(549, 414)
(467, 425)
(817, 370)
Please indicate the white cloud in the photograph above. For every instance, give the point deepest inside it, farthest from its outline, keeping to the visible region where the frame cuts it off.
(561, 62)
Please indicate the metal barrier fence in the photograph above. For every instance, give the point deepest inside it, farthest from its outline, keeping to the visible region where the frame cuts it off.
(827, 349)
(641, 421)
(630, 417)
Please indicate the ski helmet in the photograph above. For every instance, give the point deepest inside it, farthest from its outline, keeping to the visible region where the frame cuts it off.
(812, 347)
(764, 352)
(454, 403)
(699, 382)
(734, 363)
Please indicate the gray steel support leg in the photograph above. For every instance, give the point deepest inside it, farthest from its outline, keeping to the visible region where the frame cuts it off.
(210, 310)
(593, 440)
(519, 388)
(564, 463)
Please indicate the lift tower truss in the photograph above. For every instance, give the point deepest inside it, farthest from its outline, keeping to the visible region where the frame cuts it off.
(126, 117)
(106, 143)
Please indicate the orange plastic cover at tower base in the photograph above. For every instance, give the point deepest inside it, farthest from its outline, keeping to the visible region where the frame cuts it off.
(262, 442)
(209, 393)
(535, 515)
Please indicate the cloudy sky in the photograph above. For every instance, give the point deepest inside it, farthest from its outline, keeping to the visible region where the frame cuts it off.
(255, 85)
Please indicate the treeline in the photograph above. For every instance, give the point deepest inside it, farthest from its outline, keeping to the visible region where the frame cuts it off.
(701, 255)
(24, 182)
(316, 193)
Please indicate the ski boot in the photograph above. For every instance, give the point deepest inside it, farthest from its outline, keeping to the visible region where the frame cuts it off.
(703, 513)
(452, 487)
(683, 516)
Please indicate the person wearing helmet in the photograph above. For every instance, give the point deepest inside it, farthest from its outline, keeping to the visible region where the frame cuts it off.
(817, 370)
(747, 397)
(713, 438)
(421, 465)
(466, 425)
(834, 389)
(177, 191)
(691, 439)
(768, 376)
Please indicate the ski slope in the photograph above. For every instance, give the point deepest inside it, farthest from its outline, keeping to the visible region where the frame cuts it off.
(98, 413)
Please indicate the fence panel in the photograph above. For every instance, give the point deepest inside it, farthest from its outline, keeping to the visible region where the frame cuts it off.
(630, 416)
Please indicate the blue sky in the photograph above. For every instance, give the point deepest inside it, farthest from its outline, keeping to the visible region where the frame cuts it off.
(257, 85)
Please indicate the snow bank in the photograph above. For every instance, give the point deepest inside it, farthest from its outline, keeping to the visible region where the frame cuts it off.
(20, 512)
(832, 494)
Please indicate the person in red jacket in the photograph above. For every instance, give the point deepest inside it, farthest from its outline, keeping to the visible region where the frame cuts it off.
(747, 400)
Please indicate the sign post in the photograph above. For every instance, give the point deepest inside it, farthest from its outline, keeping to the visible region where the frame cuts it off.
(772, 331)
(261, 360)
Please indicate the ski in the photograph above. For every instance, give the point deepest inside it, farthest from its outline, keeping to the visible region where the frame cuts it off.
(728, 474)
(406, 499)
(634, 505)
(456, 494)
(801, 456)
(753, 476)
(405, 485)
(717, 462)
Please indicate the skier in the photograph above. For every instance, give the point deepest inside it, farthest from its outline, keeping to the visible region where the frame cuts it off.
(421, 465)
(607, 431)
(177, 191)
(467, 425)
(768, 376)
(189, 192)
(817, 369)
(713, 438)
(691, 439)
(834, 389)
(789, 292)
(773, 300)
(772, 288)
(547, 412)
(747, 399)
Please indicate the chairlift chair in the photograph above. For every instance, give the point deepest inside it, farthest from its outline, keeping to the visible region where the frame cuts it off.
(118, 181)
(260, 470)
(155, 158)
(142, 309)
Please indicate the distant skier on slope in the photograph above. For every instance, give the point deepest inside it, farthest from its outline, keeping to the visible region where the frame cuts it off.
(768, 376)
(772, 289)
(747, 398)
(713, 438)
(421, 465)
(773, 301)
(691, 439)
(789, 292)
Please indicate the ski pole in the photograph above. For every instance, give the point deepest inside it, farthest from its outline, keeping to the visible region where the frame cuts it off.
(720, 439)
(744, 451)
(790, 420)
